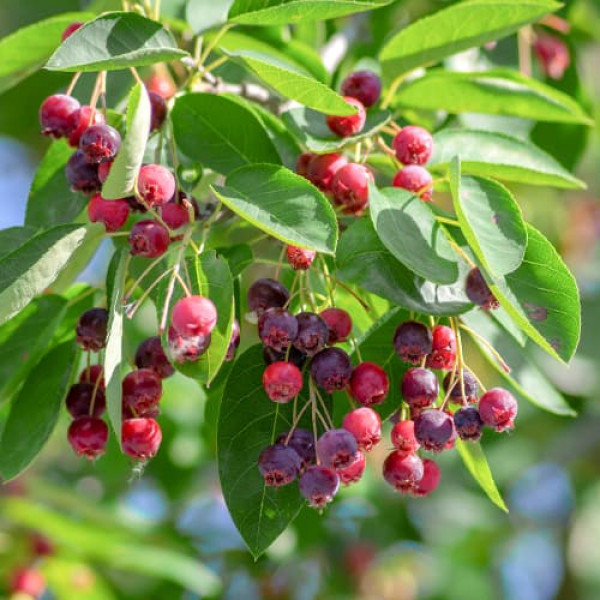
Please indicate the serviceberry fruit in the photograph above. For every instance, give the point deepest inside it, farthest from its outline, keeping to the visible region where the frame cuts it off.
(419, 387)
(322, 168)
(113, 214)
(82, 176)
(84, 399)
(158, 108)
(354, 472)
(415, 179)
(313, 333)
(91, 329)
(193, 316)
(350, 188)
(91, 375)
(434, 429)
(553, 55)
(430, 480)
(187, 349)
(174, 215)
(319, 485)
(234, 341)
(403, 437)
(413, 145)
(100, 143)
(470, 384)
(55, 113)
(29, 581)
(303, 442)
(498, 409)
(403, 471)
(302, 163)
(365, 425)
(295, 356)
(151, 355)
(413, 342)
(468, 423)
(443, 349)
(267, 293)
(80, 120)
(161, 85)
(282, 381)
(41, 545)
(299, 258)
(142, 390)
(149, 239)
(140, 438)
(88, 436)
(277, 328)
(369, 384)
(72, 28)
(279, 465)
(104, 170)
(478, 291)
(336, 449)
(339, 323)
(345, 126)
(331, 369)
(365, 86)
(155, 185)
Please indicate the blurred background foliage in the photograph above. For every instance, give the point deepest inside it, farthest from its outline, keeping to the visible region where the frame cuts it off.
(165, 533)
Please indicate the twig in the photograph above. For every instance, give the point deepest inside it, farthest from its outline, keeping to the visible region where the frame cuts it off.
(487, 345)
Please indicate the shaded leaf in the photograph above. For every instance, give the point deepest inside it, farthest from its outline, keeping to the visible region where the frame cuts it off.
(13, 237)
(206, 14)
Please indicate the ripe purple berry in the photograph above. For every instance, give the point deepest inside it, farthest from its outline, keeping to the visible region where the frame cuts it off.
(148, 238)
(279, 465)
(413, 342)
(81, 175)
(468, 423)
(277, 328)
(313, 333)
(331, 369)
(498, 409)
(83, 399)
(150, 355)
(339, 323)
(267, 293)
(234, 341)
(158, 108)
(91, 329)
(100, 143)
(345, 126)
(479, 292)
(434, 429)
(282, 381)
(303, 442)
(369, 384)
(365, 425)
(403, 471)
(365, 86)
(413, 145)
(80, 120)
(55, 113)
(336, 449)
(319, 485)
(419, 387)
(142, 390)
(415, 179)
(471, 388)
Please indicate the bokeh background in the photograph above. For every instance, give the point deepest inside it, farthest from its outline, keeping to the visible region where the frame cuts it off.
(118, 533)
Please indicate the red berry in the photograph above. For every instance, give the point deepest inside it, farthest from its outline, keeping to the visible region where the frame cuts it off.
(158, 108)
(142, 390)
(336, 449)
(92, 375)
(161, 85)
(339, 323)
(303, 442)
(82, 176)
(41, 545)
(113, 214)
(468, 423)
(299, 258)
(350, 188)
(434, 429)
(80, 120)
(88, 436)
(403, 437)
(365, 425)
(150, 355)
(55, 113)
(267, 293)
(354, 472)
(345, 126)
(100, 143)
(331, 369)
(322, 168)
(72, 28)
(419, 387)
(302, 163)
(430, 480)
(413, 145)
(365, 86)
(84, 399)
(104, 170)
(174, 215)
(279, 465)
(187, 349)
(194, 315)
(156, 184)
(415, 179)
(91, 329)
(27, 580)
(478, 291)
(369, 384)
(282, 381)
(470, 384)
(149, 239)
(443, 350)
(413, 342)
(277, 328)
(313, 333)
(403, 471)
(498, 409)
(553, 55)
(140, 438)
(319, 485)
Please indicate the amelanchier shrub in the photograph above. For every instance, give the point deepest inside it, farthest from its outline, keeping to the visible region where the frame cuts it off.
(383, 231)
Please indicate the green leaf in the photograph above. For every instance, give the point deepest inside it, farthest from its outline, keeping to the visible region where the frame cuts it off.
(502, 157)
(206, 14)
(13, 237)
(490, 220)
(409, 230)
(126, 165)
(496, 92)
(239, 257)
(456, 28)
(474, 459)
(30, 269)
(281, 12)
(364, 261)
(312, 131)
(35, 411)
(221, 133)
(115, 41)
(27, 49)
(282, 204)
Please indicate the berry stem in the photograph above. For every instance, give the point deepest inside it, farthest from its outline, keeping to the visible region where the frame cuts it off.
(296, 421)
(213, 43)
(131, 312)
(462, 253)
(94, 392)
(330, 424)
(357, 152)
(488, 346)
(483, 388)
(385, 148)
(95, 96)
(216, 63)
(182, 283)
(73, 83)
(156, 10)
(139, 280)
(136, 75)
(327, 280)
(356, 348)
(393, 88)
(459, 363)
(524, 47)
(350, 291)
(313, 404)
(279, 263)
(446, 221)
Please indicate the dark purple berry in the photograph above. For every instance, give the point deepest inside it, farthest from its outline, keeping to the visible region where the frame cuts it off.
(80, 120)
(365, 86)
(267, 293)
(100, 143)
(471, 388)
(234, 341)
(279, 465)
(331, 369)
(468, 423)
(150, 355)
(91, 329)
(336, 448)
(81, 175)
(149, 239)
(479, 292)
(55, 113)
(413, 342)
(403, 471)
(158, 108)
(142, 390)
(277, 328)
(84, 399)
(303, 442)
(319, 485)
(419, 387)
(187, 349)
(498, 409)
(88, 436)
(434, 429)
(313, 333)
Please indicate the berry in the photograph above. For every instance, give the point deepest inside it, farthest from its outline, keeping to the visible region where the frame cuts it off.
(91, 375)
(91, 329)
(155, 184)
(468, 423)
(234, 341)
(337, 448)
(158, 108)
(302, 163)
(443, 349)
(149, 239)
(193, 316)
(313, 333)
(279, 465)
(161, 85)
(187, 349)
(434, 429)
(354, 472)
(267, 293)
(419, 387)
(369, 384)
(55, 113)
(80, 120)
(111, 213)
(415, 179)
(104, 170)
(470, 384)
(339, 323)
(295, 356)
(319, 485)
(413, 145)
(150, 355)
(140, 438)
(88, 436)
(331, 369)
(299, 258)
(72, 28)
(282, 381)
(322, 168)
(403, 471)
(498, 409)
(41, 545)
(478, 291)
(83, 399)
(142, 390)
(99, 143)
(82, 176)
(365, 86)
(277, 328)
(29, 581)
(174, 215)
(345, 126)
(430, 480)
(350, 188)
(365, 425)
(303, 442)
(553, 55)
(413, 342)
(403, 437)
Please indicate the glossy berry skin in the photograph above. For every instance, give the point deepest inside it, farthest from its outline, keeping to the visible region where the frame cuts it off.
(331, 369)
(72, 28)
(434, 429)
(80, 120)
(443, 349)
(413, 145)
(279, 465)
(350, 188)
(104, 170)
(339, 323)
(322, 168)
(415, 179)
(413, 341)
(365, 86)
(553, 54)
(468, 423)
(478, 291)
(113, 214)
(81, 175)
(54, 115)
(419, 387)
(365, 425)
(156, 184)
(277, 328)
(174, 215)
(88, 436)
(303, 162)
(100, 143)
(471, 388)
(303, 442)
(234, 341)
(369, 384)
(299, 258)
(319, 485)
(430, 480)
(92, 375)
(282, 381)
(151, 355)
(142, 390)
(161, 85)
(187, 349)
(158, 110)
(80, 398)
(140, 438)
(498, 409)
(295, 356)
(354, 472)
(345, 126)
(91, 329)
(193, 316)
(336, 449)
(313, 333)
(29, 581)
(266, 293)
(149, 239)
(403, 471)
(403, 437)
